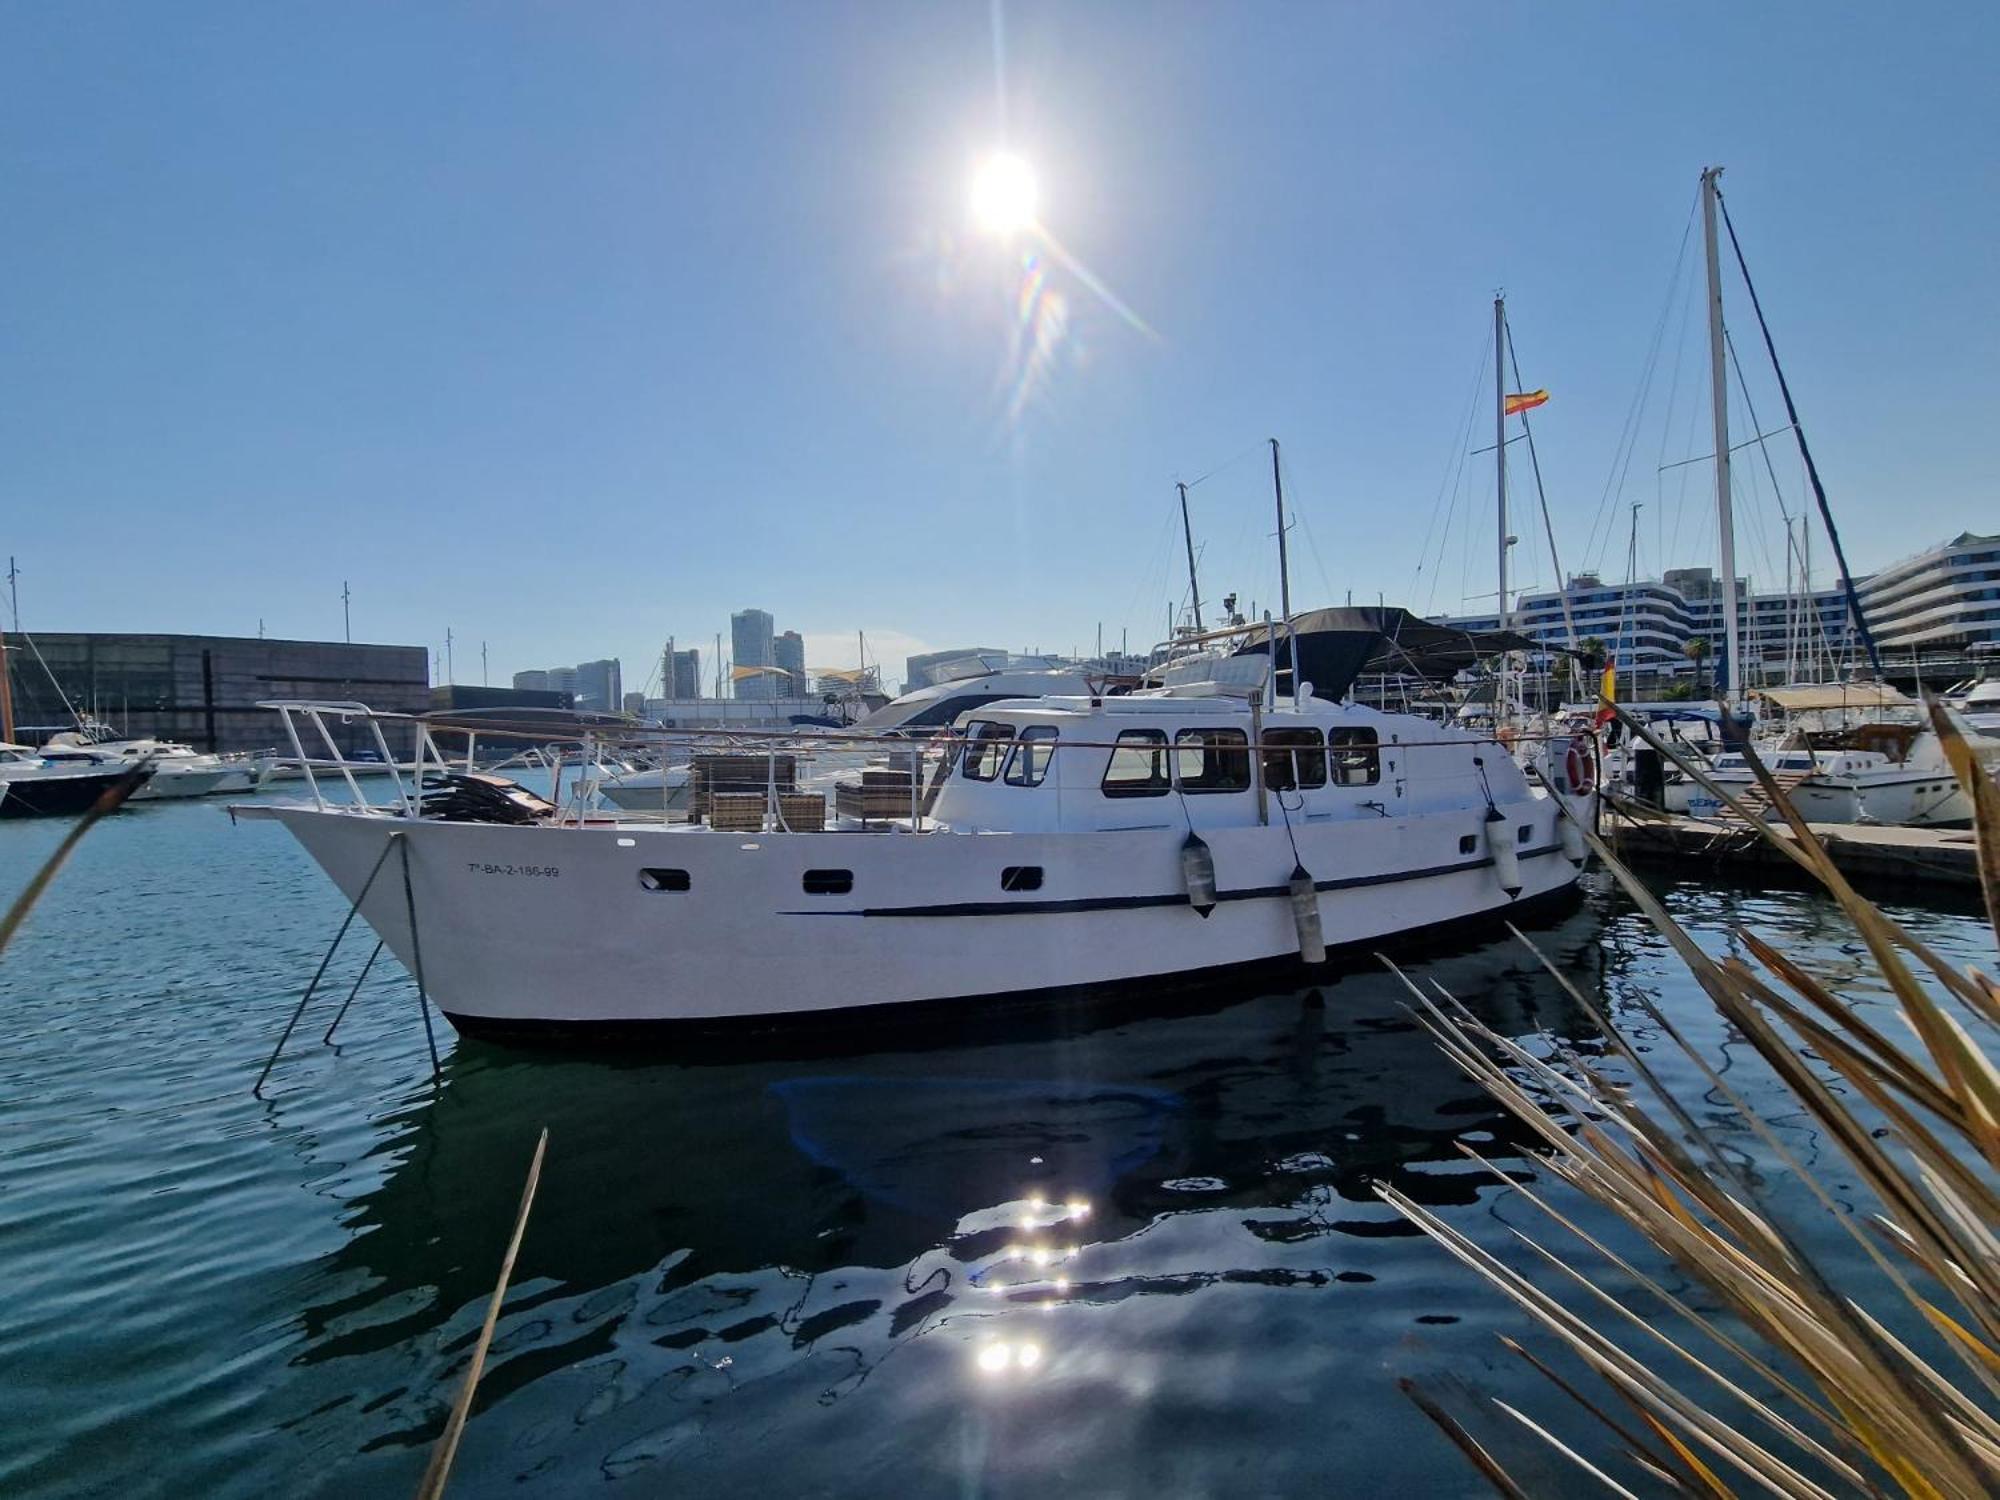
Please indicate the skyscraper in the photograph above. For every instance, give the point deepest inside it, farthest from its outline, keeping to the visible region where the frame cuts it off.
(789, 652)
(531, 682)
(687, 675)
(562, 680)
(599, 685)
(750, 642)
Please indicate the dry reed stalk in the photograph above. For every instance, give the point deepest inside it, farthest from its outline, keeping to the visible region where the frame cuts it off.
(439, 1468)
(109, 801)
(1846, 1405)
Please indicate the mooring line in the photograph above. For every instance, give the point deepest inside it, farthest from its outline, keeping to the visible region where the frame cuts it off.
(417, 960)
(327, 1040)
(257, 1089)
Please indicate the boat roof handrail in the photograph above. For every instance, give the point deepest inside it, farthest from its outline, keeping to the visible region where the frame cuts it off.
(788, 740)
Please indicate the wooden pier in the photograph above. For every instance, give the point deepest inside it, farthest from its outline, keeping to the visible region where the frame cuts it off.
(1935, 856)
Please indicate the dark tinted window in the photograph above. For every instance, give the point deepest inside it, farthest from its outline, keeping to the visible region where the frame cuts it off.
(1355, 758)
(1021, 878)
(664, 880)
(986, 747)
(1294, 759)
(1138, 766)
(1030, 760)
(1212, 760)
(828, 882)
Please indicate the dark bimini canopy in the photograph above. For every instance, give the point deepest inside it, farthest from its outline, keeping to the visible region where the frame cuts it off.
(1339, 646)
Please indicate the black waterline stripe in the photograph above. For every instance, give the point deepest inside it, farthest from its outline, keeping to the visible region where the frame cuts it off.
(1176, 898)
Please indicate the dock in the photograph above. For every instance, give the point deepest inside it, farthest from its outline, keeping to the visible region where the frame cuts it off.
(1934, 856)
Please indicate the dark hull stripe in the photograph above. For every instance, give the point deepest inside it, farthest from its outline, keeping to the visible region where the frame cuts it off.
(1816, 785)
(1172, 898)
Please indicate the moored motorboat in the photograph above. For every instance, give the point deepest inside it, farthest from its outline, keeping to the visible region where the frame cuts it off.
(1065, 844)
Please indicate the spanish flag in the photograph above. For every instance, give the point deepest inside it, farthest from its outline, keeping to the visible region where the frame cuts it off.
(1608, 692)
(1525, 401)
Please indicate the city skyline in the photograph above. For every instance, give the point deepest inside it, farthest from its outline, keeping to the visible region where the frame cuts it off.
(291, 283)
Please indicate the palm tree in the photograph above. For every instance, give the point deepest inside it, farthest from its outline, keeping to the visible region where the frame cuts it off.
(1696, 651)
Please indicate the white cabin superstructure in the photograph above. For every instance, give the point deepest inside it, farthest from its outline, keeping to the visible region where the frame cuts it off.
(1049, 852)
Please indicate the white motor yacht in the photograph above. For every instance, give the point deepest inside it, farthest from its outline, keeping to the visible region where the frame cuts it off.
(178, 770)
(1067, 844)
(1913, 789)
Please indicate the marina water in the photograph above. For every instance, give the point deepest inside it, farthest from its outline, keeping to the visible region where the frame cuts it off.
(1089, 1253)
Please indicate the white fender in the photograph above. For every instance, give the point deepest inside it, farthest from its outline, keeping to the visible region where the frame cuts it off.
(1500, 848)
(1305, 916)
(1570, 832)
(1198, 873)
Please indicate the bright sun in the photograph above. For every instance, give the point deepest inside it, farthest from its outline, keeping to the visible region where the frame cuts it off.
(1003, 194)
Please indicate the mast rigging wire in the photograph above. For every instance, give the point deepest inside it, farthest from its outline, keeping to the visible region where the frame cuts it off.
(1628, 435)
(1812, 469)
(1548, 526)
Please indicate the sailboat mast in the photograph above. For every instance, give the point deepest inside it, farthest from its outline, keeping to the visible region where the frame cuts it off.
(1500, 710)
(1284, 576)
(1187, 533)
(1718, 379)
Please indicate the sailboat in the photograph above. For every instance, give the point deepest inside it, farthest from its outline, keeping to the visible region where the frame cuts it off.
(1875, 761)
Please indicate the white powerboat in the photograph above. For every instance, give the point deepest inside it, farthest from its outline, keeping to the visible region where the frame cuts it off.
(1886, 773)
(1068, 843)
(178, 770)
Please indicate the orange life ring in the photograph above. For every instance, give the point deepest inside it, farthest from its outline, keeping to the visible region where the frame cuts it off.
(1579, 771)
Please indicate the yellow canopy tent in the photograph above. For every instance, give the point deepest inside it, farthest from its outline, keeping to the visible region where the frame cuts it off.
(1804, 699)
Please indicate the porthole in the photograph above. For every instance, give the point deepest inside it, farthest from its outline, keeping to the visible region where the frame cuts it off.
(664, 880)
(1468, 844)
(828, 882)
(1021, 878)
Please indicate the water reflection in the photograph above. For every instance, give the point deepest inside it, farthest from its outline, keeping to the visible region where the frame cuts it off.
(747, 1234)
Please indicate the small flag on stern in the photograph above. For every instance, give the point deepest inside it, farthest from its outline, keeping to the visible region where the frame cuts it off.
(1608, 690)
(1525, 401)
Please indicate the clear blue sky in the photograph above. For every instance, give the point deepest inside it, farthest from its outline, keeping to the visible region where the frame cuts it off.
(573, 326)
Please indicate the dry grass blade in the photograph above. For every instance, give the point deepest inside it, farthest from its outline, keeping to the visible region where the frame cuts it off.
(112, 798)
(1466, 1443)
(1894, 1416)
(439, 1468)
(1985, 806)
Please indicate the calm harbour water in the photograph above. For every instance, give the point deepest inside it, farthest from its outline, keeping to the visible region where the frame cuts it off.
(1106, 1256)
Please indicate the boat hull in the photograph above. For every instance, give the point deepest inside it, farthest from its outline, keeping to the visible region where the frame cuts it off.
(55, 796)
(520, 931)
(1924, 799)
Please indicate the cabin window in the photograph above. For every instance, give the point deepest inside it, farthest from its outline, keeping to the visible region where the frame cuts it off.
(1294, 759)
(986, 746)
(828, 882)
(1021, 878)
(1032, 753)
(664, 880)
(1356, 759)
(1524, 833)
(1138, 766)
(1212, 760)
(1468, 843)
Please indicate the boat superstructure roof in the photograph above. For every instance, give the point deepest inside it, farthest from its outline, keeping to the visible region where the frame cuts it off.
(1156, 703)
